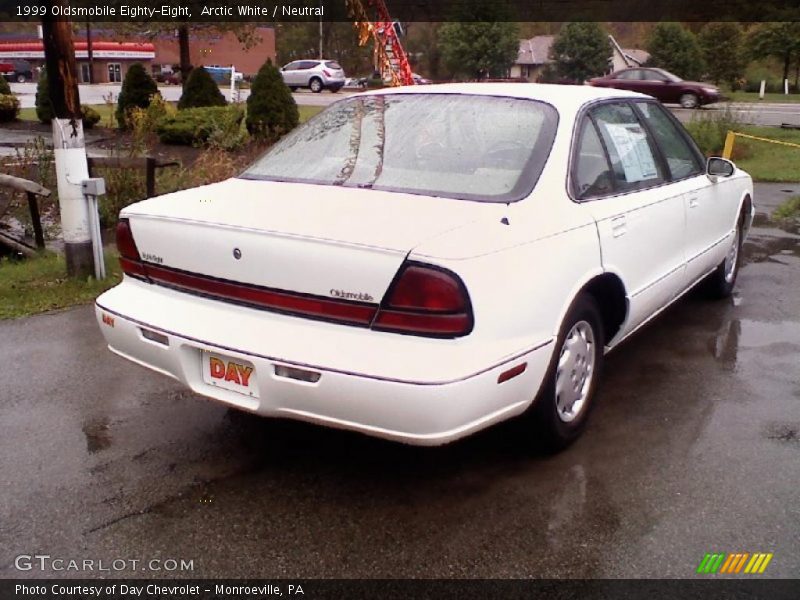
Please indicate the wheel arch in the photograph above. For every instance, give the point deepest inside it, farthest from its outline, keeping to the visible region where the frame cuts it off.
(608, 291)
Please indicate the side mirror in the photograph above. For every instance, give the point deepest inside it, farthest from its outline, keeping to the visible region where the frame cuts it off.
(720, 167)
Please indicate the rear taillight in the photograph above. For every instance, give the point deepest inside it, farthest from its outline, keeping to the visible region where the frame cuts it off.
(129, 258)
(326, 73)
(425, 300)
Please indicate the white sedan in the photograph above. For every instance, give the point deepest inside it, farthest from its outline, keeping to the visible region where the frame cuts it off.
(421, 264)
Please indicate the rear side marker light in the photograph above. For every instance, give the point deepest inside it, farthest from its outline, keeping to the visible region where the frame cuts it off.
(511, 373)
(154, 336)
(298, 374)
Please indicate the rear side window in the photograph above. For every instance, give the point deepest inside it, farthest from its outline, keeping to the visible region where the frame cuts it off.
(332, 64)
(593, 176)
(683, 161)
(630, 150)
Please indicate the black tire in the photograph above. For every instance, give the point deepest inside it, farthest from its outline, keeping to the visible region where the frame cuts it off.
(315, 85)
(556, 433)
(292, 88)
(721, 282)
(689, 100)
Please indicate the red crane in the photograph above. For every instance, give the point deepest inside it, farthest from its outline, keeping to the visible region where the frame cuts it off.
(390, 57)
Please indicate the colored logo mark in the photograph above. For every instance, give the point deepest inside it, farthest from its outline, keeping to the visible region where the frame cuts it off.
(739, 562)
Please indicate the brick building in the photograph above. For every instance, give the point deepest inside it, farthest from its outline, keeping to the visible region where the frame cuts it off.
(216, 49)
(110, 59)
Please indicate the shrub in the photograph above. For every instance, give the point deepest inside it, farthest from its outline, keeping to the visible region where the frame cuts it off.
(44, 108)
(9, 107)
(5, 89)
(90, 116)
(271, 110)
(138, 88)
(710, 131)
(194, 126)
(200, 90)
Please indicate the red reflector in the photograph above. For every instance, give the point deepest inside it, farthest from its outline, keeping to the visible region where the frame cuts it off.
(511, 373)
(312, 306)
(423, 323)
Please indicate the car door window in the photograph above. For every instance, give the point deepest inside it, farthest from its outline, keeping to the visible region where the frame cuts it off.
(592, 174)
(653, 76)
(307, 64)
(629, 75)
(683, 161)
(292, 66)
(631, 152)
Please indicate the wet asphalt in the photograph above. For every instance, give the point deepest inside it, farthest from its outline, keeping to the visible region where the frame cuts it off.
(694, 447)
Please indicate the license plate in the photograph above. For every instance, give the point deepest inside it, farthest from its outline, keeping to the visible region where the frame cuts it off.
(229, 373)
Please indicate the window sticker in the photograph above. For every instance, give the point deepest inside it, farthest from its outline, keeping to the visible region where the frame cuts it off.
(633, 150)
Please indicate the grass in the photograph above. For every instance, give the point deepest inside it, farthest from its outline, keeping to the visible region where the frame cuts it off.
(40, 284)
(306, 112)
(790, 209)
(768, 162)
(106, 112)
(753, 97)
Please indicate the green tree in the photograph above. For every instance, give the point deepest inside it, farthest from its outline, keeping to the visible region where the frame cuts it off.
(4, 87)
(137, 90)
(676, 49)
(778, 40)
(723, 50)
(271, 110)
(201, 90)
(484, 46)
(44, 108)
(581, 51)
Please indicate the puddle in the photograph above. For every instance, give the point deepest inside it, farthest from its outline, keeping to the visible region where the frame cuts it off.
(784, 432)
(782, 337)
(97, 435)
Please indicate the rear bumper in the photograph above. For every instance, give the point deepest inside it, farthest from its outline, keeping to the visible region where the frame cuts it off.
(422, 411)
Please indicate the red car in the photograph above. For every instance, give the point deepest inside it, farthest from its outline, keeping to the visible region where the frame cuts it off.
(662, 85)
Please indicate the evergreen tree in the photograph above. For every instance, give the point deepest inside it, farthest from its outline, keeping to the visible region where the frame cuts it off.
(581, 51)
(44, 108)
(723, 50)
(675, 48)
(271, 110)
(137, 90)
(201, 90)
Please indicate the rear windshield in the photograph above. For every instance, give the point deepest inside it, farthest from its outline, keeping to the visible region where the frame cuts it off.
(452, 145)
(332, 64)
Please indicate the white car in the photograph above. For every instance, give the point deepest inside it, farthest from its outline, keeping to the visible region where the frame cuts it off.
(316, 75)
(420, 264)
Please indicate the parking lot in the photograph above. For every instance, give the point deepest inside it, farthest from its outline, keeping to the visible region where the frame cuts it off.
(693, 448)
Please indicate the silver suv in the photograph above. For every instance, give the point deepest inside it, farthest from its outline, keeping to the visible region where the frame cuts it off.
(316, 75)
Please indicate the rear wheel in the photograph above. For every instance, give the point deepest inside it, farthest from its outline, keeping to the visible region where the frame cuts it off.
(292, 88)
(689, 100)
(564, 402)
(721, 282)
(21, 78)
(315, 85)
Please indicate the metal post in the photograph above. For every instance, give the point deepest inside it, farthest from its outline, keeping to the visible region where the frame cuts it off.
(150, 176)
(38, 234)
(97, 240)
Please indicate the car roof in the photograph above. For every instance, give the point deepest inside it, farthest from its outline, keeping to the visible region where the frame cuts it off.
(561, 96)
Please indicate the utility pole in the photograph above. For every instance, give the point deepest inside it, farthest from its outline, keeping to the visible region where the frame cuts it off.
(89, 51)
(68, 143)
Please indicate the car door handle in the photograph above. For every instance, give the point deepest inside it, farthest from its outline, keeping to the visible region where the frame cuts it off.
(618, 226)
(694, 202)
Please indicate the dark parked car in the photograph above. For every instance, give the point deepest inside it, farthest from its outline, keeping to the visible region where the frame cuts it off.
(661, 84)
(19, 71)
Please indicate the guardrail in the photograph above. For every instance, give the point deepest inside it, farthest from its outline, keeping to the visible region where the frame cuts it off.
(730, 140)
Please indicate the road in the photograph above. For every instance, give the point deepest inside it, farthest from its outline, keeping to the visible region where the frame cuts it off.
(751, 113)
(694, 447)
